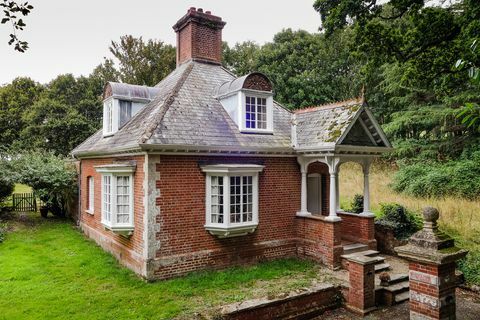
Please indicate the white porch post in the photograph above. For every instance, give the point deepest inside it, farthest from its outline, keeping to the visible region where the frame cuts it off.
(366, 189)
(337, 191)
(333, 166)
(303, 197)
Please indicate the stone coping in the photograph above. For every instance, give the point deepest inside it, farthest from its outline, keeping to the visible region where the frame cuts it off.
(356, 215)
(431, 256)
(318, 217)
(264, 302)
(360, 259)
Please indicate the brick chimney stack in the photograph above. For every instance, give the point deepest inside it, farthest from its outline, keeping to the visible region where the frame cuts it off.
(199, 36)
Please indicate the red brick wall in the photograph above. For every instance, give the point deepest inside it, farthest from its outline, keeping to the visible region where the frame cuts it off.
(357, 228)
(322, 169)
(127, 250)
(201, 40)
(319, 240)
(361, 295)
(186, 246)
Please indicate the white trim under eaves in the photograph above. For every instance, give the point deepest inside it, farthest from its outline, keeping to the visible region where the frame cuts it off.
(350, 125)
(378, 128)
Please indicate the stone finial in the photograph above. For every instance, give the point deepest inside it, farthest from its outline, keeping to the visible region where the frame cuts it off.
(430, 217)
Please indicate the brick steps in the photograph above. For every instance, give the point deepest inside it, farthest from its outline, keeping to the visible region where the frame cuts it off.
(355, 249)
(397, 290)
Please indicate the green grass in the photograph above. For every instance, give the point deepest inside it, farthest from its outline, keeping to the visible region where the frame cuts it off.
(49, 270)
(21, 188)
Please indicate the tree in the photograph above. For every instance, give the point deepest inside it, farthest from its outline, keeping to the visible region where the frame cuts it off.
(309, 69)
(11, 11)
(242, 58)
(140, 62)
(15, 99)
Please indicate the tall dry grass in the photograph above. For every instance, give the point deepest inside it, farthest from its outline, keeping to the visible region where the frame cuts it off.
(458, 217)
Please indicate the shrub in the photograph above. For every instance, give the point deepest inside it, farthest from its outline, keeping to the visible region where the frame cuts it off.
(470, 266)
(403, 222)
(51, 177)
(6, 188)
(458, 179)
(357, 204)
(3, 231)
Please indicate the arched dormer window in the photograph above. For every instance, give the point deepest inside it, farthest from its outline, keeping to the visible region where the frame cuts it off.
(249, 102)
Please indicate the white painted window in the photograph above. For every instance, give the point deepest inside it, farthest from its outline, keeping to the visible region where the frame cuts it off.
(125, 108)
(90, 195)
(108, 117)
(117, 198)
(255, 112)
(231, 199)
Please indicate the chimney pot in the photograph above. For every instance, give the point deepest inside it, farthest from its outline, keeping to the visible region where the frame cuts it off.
(199, 10)
(208, 12)
(192, 9)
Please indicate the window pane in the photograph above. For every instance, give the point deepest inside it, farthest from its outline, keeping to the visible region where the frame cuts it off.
(216, 199)
(123, 209)
(125, 112)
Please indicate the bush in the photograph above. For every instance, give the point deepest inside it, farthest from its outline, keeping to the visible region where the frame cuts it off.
(6, 188)
(470, 266)
(458, 179)
(403, 222)
(52, 178)
(3, 231)
(357, 204)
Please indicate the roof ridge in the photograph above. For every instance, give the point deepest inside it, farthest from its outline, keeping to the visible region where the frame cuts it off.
(331, 105)
(147, 134)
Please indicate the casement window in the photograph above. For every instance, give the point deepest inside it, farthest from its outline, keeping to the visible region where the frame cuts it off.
(108, 117)
(125, 108)
(117, 198)
(231, 199)
(255, 112)
(90, 195)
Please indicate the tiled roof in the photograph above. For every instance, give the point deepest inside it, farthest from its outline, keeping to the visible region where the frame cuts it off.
(324, 125)
(185, 112)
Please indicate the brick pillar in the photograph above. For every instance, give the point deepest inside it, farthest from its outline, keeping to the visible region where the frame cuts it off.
(432, 257)
(361, 294)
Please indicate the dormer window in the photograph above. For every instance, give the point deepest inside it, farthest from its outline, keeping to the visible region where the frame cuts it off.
(255, 112)
(121, 102)
(249, 102)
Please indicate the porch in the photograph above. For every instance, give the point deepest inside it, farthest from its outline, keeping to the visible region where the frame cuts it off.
(324, 227)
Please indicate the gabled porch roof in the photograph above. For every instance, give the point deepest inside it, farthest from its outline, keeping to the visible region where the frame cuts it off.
(342, 127)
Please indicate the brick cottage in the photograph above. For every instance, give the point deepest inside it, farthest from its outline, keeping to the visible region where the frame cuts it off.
(206, 170)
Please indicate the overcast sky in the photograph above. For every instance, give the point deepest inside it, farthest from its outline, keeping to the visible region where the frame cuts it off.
(67, 36)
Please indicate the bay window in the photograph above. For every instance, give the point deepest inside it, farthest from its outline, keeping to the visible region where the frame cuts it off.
(117, 197)
(231, 199)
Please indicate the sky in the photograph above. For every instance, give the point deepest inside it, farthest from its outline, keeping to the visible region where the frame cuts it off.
(67, 36)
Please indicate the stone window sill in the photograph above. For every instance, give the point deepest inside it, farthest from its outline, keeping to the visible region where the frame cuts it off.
(231, 231)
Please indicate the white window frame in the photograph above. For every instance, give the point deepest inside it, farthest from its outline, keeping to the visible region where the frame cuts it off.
(269, 110)
(108, 117)
(91, 195)
(228, 229)
(115, 171)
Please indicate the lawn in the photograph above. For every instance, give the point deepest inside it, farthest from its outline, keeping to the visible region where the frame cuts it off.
(49, 270)
(459, 218)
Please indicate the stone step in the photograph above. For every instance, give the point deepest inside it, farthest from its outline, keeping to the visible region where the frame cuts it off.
(398, 288)
(370, 253)
(378, 259)
(381, 267)
(397, 277)
(404, 296)
(354, 247)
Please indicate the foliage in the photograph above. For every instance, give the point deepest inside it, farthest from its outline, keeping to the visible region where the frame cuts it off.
(66, 267)
(3, 231)
(6, 188)
(470, 266)
(460, 178)
(11, 11)
(51, 177)
(141, 62)
(242, 58)
(309, 69)
(357, 204)
(15, 99)
(403, 222)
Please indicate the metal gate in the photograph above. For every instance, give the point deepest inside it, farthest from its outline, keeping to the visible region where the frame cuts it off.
(24, 202)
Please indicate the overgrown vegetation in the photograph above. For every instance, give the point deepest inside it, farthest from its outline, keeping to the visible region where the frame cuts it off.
(357, 204)
(50, 271)
(403, 222)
